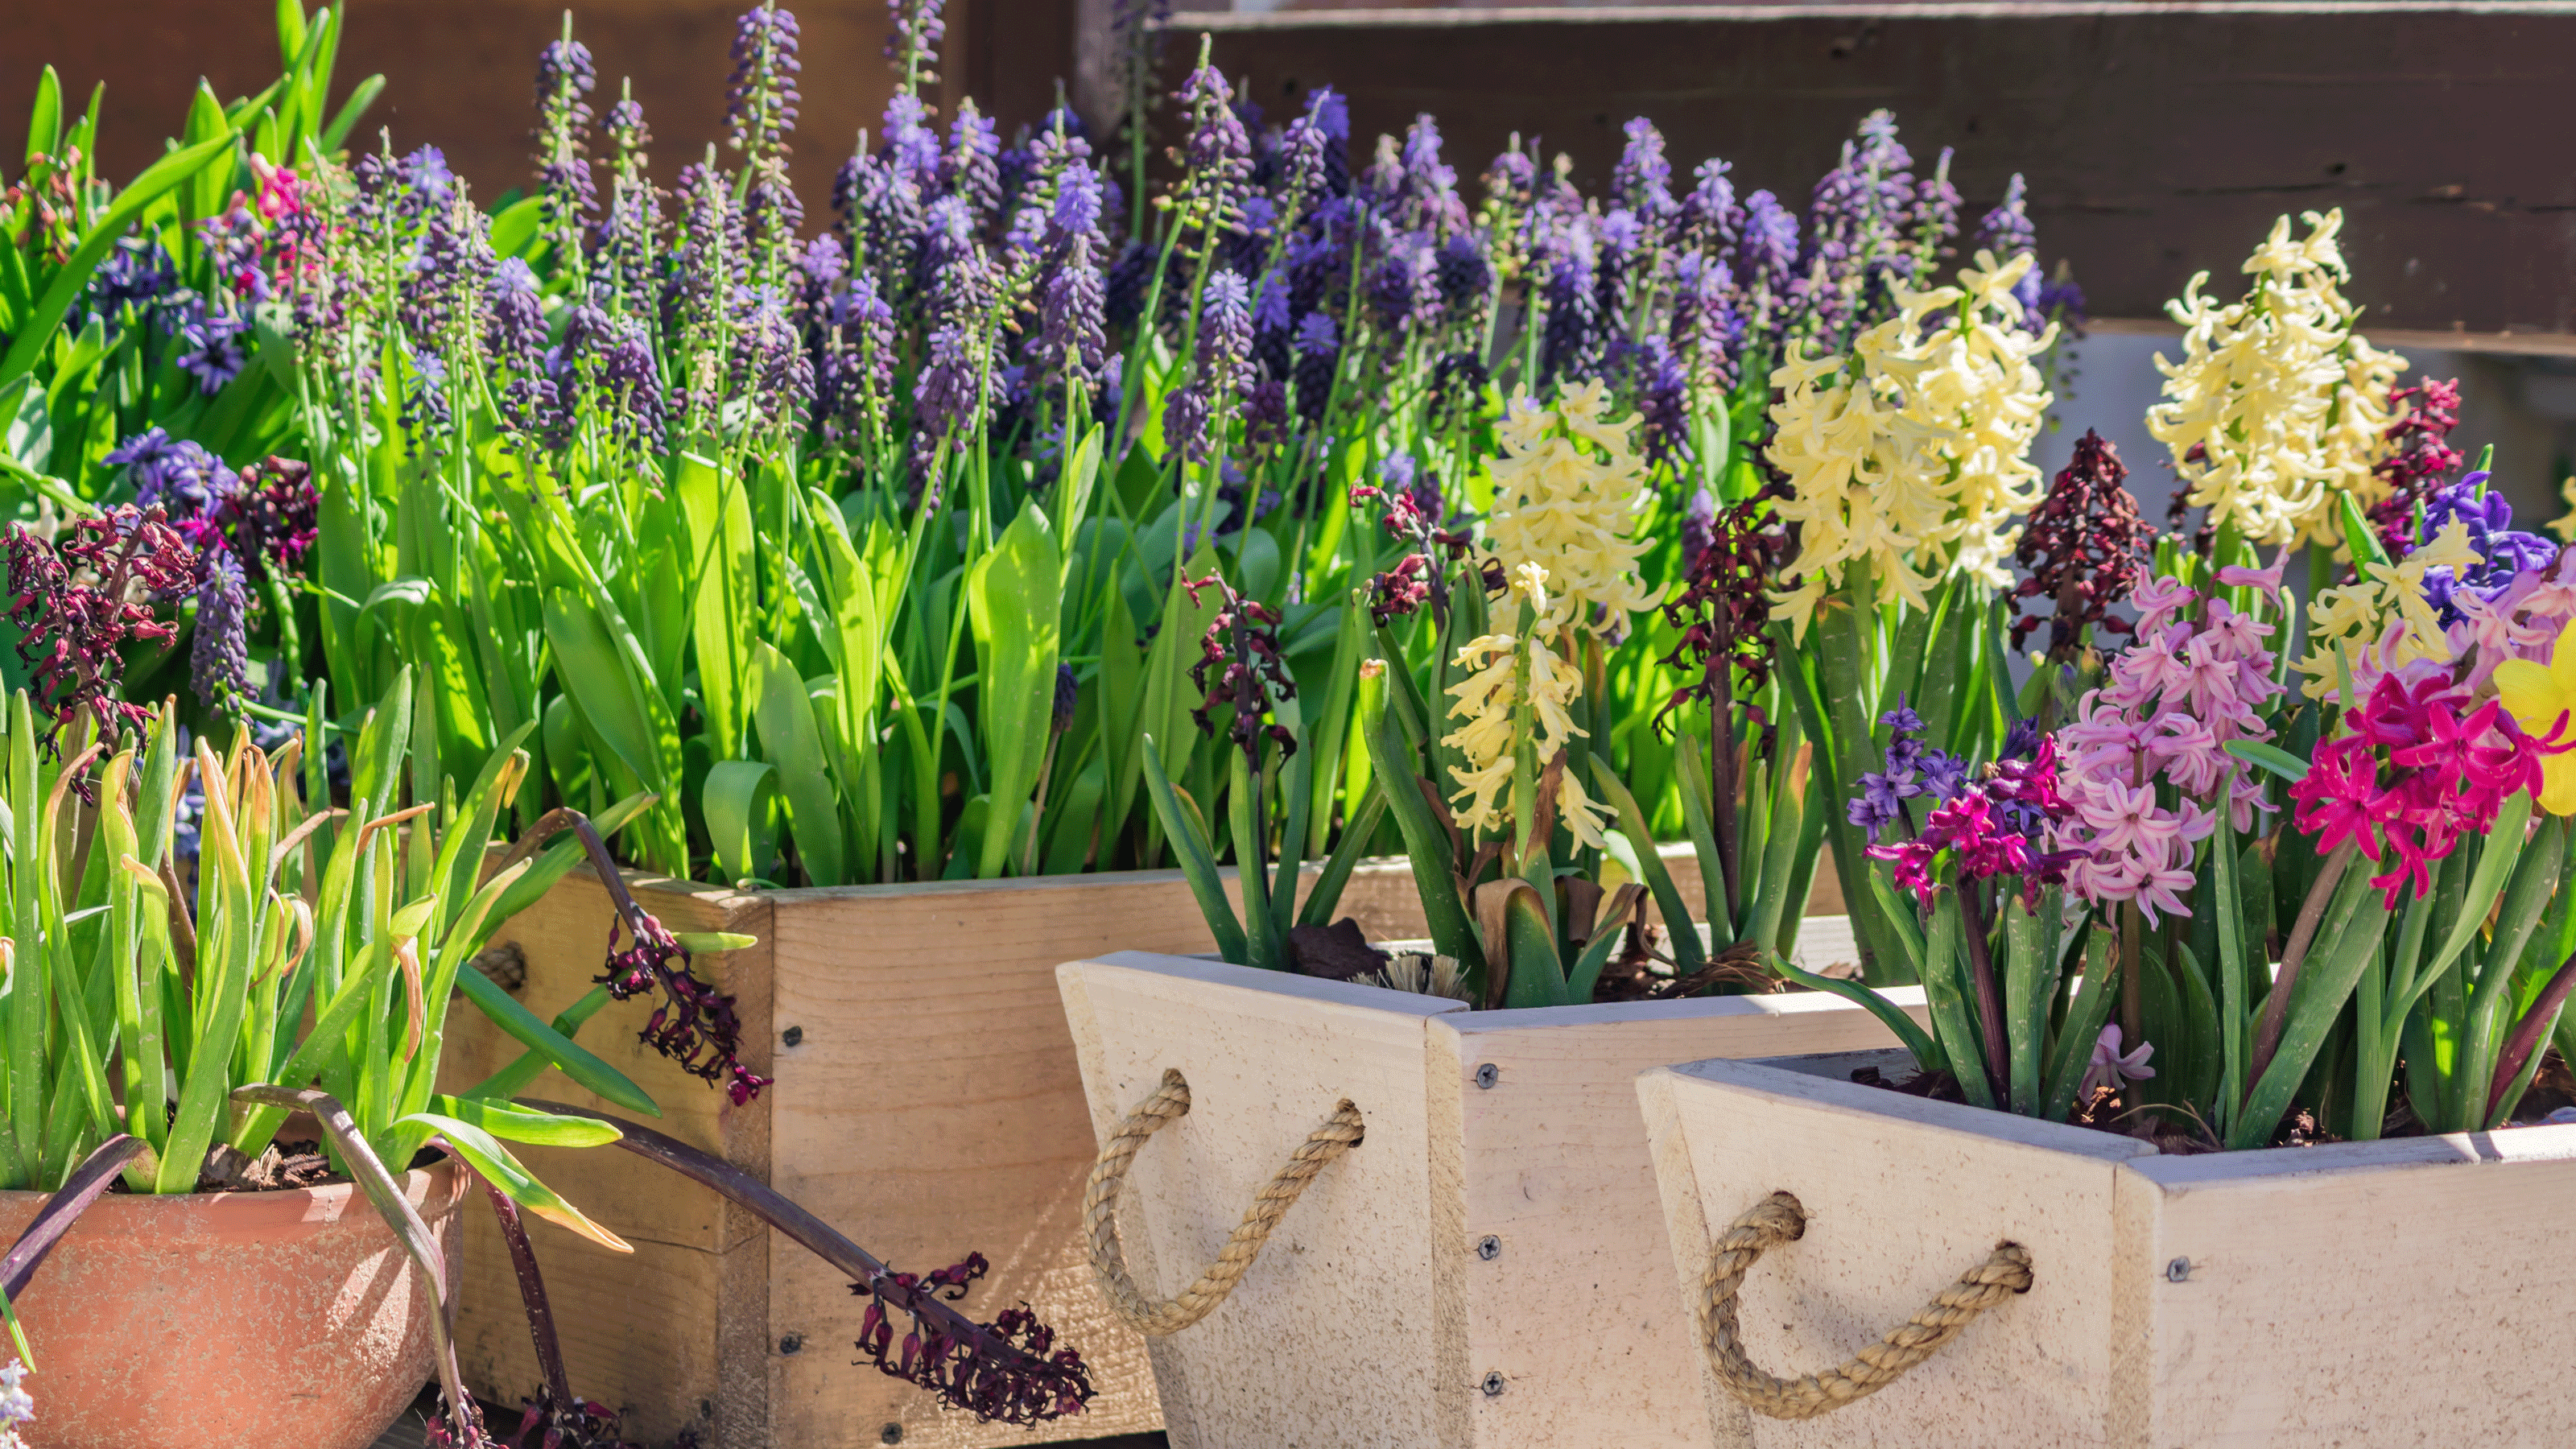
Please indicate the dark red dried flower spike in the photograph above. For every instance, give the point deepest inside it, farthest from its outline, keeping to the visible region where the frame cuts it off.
(1723, 609)
(1007, 1370)
(1242, 644)
(2423, 458)
(2085, 547)
(693, 1024)
(78, 601)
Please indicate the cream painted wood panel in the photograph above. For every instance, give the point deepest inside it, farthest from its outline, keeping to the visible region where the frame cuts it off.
(931, 1107)
(2360, 1295)
(1372, 1318)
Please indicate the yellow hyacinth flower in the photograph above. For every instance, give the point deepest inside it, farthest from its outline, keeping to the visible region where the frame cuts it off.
(2542, 699)
(1913, 453)
(2564, 525)
(1567, 492)
(2278, 404)
(1518, 683)
(2379, 623)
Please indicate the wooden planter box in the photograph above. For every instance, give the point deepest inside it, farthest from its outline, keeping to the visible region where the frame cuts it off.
(927, 1103)
(2355, 1295)
(1483, 1269)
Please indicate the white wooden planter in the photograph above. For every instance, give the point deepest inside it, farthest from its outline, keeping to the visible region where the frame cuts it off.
(2355, 1295)
(1484, 1269)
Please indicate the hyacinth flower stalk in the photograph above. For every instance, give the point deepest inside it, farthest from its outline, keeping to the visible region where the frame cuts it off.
(1907, 461)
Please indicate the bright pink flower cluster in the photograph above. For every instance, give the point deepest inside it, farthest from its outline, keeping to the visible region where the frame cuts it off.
(2449, 774)
(1997, 826)
(2193, 680)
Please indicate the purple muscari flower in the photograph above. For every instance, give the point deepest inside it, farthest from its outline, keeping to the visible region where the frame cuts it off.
(1319, 355)
(1663, 403)
(1073, 333)
(2007, 230)
(1395, 472)
(1569, 347)
(944, 396)
(1621, 244)
(1643, 179)
(1766, 259)
(948, 239)
(1218, 153)
(1936, 216)
(1315, 151)
(564, 76)
(820, 270)
(1862, 213)
(632, 386)
(914, 44)
(211, 351)
(425, 172)
(1513, 178)
(1223, 370)
(1712, 220)
(1465, 276)
(219, 656)
(1077, 208)
(1707, 331)
(771, 368)
(910, 144)
(972, 169)
(761, 96)
(425, 407)
(1270, 304)
(1431, 200)
(859, 376)
(1402, 289)
(514, 324)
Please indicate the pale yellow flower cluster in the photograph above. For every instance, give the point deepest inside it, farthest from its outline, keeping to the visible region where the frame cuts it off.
(2278, 404)
(2360, 631)
(1913, 454)
(2564, 525)
(1516, 671)
(1566, 495)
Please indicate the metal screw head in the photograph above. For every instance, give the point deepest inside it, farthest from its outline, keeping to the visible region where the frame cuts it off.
(795, 1036)
(1489, 1247)
(792, 1343)
(890, 1434)
(1494, 1384)
(2177, 1270)
(1487, 1075)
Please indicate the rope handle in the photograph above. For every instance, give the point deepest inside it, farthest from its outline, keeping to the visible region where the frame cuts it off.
(1339, 1134)
(1779, 1219)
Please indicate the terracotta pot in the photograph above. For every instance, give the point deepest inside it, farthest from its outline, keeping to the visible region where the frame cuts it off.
(2363, 1295)
(231, 1318)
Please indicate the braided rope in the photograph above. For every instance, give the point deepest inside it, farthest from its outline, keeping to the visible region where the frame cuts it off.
(1779, 1219)
(1340, 1133)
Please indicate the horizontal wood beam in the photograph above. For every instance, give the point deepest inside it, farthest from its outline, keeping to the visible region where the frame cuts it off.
(2157, 139)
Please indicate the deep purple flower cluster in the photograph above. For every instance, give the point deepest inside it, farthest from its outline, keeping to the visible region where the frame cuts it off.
(761, 96)
(2085, 549)
(2489, 520)
(1242, 648)
(1913, 770)
(1008, 1370)
(70, 632)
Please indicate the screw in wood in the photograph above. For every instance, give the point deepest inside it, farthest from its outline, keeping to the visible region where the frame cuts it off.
(2177, 1270)
(890, 1434)
(1494, 1384)
(1487, 1075)
(795, 1036)
(792, 1343)
(1489, 1247)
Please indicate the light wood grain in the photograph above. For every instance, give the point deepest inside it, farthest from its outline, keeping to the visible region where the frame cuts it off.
(646, 1334)
(2364, 1295)
(1901, 1195)
(1388, 1324)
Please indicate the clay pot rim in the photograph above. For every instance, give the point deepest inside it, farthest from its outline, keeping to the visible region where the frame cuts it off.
(434, 1191)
